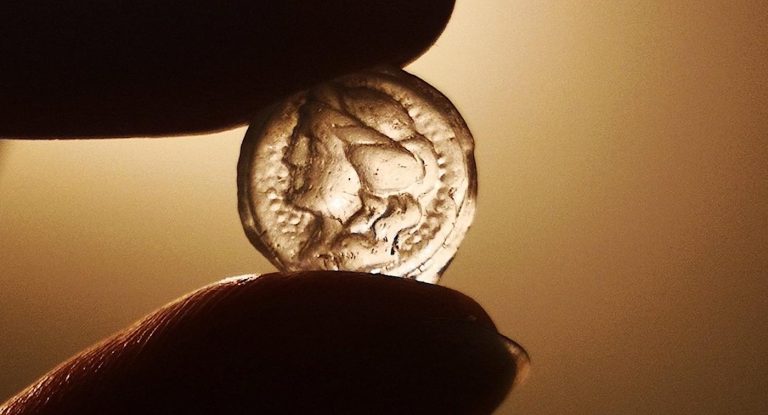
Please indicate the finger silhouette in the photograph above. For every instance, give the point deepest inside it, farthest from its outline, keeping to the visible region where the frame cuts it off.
(314, 342)
(85, 68)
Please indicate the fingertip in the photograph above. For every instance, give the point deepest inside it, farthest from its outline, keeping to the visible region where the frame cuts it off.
(313, 342)
(145, 68)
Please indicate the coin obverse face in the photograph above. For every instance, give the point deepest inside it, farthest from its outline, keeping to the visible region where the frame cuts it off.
(373, 172)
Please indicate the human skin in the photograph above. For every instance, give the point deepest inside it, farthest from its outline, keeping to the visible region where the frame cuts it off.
(311, 342)
(315, 342)
(89, 68)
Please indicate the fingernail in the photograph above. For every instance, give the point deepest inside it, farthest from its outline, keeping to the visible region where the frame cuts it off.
(522, 360)
(491, 352)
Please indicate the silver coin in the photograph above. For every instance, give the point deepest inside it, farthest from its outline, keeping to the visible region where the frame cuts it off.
(372, 172)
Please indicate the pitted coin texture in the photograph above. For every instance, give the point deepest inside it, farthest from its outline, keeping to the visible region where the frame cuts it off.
(372, 172)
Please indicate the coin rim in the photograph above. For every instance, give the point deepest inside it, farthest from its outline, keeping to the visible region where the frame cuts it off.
(448, 112)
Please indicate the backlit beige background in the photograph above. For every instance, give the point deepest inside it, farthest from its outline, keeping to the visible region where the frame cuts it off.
(621, 235)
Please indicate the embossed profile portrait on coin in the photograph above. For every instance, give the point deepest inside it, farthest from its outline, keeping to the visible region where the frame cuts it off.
(373, 172)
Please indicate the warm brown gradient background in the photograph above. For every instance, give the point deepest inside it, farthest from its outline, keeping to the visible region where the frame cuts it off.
(621, 235)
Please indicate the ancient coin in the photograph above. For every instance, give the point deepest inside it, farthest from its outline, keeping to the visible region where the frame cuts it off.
(372, 172)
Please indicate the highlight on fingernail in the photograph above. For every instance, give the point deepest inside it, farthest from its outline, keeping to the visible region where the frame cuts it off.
(522, 360)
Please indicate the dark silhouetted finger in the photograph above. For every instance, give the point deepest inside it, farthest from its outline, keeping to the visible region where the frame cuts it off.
(320, 342)
(90, 68)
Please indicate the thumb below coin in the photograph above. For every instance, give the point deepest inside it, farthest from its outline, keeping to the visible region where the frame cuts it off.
(312, 342)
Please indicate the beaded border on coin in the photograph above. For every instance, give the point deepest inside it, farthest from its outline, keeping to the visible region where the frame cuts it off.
(261, 146)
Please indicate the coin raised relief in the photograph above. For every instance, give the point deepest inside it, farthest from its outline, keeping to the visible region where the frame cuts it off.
(372, 172)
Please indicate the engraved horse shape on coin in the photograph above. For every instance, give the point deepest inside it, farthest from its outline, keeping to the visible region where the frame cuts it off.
(359, 167)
